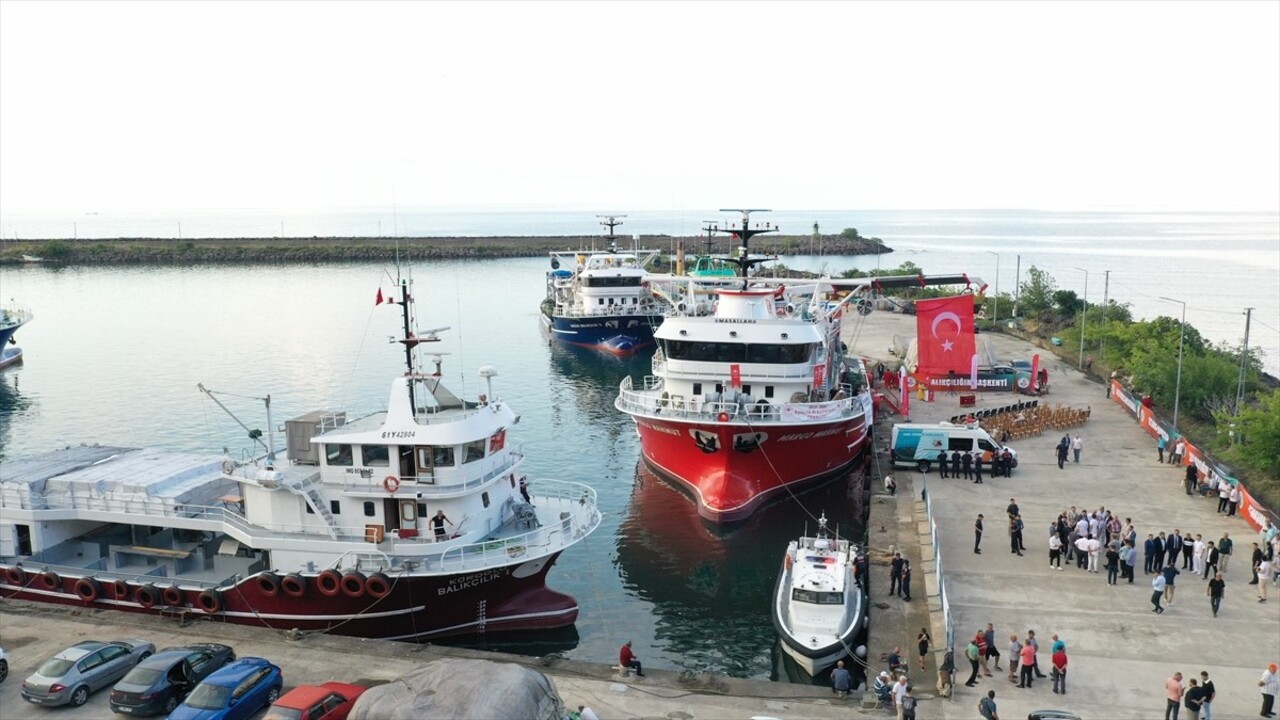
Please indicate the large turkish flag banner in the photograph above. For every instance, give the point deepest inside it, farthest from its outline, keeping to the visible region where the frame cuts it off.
(944, 335)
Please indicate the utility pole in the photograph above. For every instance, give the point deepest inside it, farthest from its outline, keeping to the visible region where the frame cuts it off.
(1084, 308)
(1017, 285)
(1102, 344)
(995, 311)
(1244, 361)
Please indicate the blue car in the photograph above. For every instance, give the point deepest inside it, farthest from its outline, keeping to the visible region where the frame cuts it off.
(235, 692)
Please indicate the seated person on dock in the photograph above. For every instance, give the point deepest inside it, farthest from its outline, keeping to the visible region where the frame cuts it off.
(628, 660)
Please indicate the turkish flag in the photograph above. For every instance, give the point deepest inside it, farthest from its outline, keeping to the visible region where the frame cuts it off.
(379, 299)
(735, 376)
(944, 335)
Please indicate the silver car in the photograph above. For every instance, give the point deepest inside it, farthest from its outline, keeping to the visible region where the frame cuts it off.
(71, 675)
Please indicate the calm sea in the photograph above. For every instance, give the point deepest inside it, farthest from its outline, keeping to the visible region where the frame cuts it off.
(1217, 263)
(115, 354)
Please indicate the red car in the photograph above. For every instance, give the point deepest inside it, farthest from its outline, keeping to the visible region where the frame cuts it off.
(330, 701)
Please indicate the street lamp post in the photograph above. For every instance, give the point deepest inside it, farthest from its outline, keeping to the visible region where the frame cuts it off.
(1182, 336)
(995, 312)
(1084, 308)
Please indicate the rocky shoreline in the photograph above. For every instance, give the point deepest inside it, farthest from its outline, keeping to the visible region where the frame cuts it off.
(169, 251)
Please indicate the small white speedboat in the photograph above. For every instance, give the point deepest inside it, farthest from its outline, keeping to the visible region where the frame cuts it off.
(818, 607)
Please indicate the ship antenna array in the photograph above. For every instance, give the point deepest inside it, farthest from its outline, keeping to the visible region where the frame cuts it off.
(744, 261)
(611, 222)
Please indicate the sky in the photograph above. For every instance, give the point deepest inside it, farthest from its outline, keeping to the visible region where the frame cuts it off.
(108, 106)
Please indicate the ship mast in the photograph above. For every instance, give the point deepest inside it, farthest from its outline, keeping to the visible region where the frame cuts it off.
(611, 222)
(744, 261)
(411, 340)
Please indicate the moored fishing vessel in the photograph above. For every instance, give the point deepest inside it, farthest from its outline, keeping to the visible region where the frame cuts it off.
(753, 395)
(11, 318)
(818, 605)
(341, 535)
(601, 300)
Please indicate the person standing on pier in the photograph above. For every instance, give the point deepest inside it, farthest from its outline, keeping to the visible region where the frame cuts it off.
(977, 535)
(955, 464)
(1170, 573)
(977, 467)
(1211, 559)
(1210, 692)
(1233, 499)
(1063, 445)
(1224, 552)
(972, 654)
(1077, 445)
(1269, 684)
(966, 464)
(1015, 535)
(1059, 671)
(1157, 588)
(1128, 561)
(1055, 552)
(1215, 590)
(895, 574)
(987, 706)
(906, 580)
(1160, 445)
(1264, 573)
(1253, 563)
(1198, 550)
(1026, 664)
(1173, 693)
(1173, 546)
(1162, 544)
(923, 641)
(992, 650)
(1192, 699)
(1148, 553)
(1015, 656)
(942, 465)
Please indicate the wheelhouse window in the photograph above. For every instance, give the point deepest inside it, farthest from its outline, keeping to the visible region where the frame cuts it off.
(737, 352)
(376, 455)
(817, 598)
(336, 454)
(473, 451)
(368, 509)
(612, 282)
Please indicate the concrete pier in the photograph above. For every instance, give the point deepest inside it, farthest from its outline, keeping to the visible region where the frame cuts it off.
(1120, 652)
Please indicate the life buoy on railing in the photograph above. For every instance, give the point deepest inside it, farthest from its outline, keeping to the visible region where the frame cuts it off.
(210, 601)
(294, 585)
(172, 596)
(120, 589)
(269, 584)
(49, 580)
(391, 484)
(378, 585)
(147, 596)
(15, 575)
(723, 417)
(353, 584)
(329, 583)
(88, 589)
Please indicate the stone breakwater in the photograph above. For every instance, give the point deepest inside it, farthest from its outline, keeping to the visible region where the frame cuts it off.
(122, 251)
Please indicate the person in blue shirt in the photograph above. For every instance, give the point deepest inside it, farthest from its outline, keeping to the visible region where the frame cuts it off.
(1169, 572)
(840, 680)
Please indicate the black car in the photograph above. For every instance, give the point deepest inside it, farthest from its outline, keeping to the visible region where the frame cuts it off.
(161, 682)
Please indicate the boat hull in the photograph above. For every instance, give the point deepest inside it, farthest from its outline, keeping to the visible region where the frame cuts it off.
(416, 608)
(614, 334)
(732, 469)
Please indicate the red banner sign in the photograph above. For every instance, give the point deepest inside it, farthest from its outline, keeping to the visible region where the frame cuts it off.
(735, 376)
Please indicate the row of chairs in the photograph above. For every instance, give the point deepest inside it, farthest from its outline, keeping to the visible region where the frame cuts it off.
(1034, 421)
(992, 412)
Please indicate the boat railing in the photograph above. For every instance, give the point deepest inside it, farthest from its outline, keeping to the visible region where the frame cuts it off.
(114, 574)
(650, 403)
(577, 515)
(232, 520)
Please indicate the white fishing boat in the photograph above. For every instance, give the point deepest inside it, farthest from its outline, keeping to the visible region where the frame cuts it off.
(818, 606)
(411, 523)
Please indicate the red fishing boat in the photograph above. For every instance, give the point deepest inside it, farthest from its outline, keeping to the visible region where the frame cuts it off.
(752, 394)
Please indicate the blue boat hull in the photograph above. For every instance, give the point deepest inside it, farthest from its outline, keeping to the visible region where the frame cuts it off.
(615, 334)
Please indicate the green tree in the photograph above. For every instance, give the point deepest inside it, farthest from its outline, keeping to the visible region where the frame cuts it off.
(1036, 292)
(1067, 302)
(850, 234)
(1260, 426)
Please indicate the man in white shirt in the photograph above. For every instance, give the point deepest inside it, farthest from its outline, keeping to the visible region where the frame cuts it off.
(1095, 548)
(1082, 552)
(1198, 552)
(899, 690)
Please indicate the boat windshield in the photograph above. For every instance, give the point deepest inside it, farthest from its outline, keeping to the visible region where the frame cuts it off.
(623, 281)
(737, 352)
(817, 598)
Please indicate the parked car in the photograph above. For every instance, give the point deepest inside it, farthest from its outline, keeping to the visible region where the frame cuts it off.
(235, 692)
(4, 665)
(71, 675)
(158, 684)
(328, 701)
